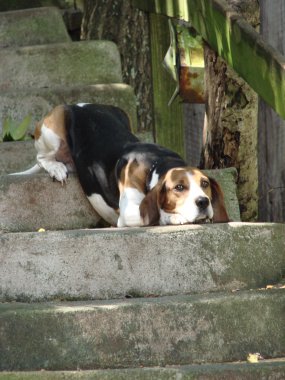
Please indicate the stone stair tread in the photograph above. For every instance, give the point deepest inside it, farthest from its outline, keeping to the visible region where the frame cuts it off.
(115, 263)
(12, 5)
(69, 63)
(32, 27)
(16, 155)
(28, 203)
(37, 102)
(142, 332)
(273, 369)
(33, 201)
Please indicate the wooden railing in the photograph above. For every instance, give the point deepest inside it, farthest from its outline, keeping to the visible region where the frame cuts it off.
(259, 64)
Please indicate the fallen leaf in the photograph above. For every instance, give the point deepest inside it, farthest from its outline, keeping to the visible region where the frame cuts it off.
(252, 358)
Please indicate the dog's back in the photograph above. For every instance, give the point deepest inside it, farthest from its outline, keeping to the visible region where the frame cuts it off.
(96, 136)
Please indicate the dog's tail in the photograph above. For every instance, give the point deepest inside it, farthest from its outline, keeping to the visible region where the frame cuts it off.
(34, 170)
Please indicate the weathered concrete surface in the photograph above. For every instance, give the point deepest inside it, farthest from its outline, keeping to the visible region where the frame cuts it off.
(147, 332)
(32, 27)
(71, 63)
(30, 202)
(22, 4)
(37, 102)
(267, 369)
(16, 156)
(114, 263)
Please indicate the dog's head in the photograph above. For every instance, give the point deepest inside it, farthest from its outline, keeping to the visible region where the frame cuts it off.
(184, 195)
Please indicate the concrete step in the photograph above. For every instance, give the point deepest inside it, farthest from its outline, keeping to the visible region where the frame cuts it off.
(117, 263)
(71, 63)
(142, 332)
(30, 202)
(15, 156)
(266, 369)
(37, 102)
(32, 27)
(12, 5)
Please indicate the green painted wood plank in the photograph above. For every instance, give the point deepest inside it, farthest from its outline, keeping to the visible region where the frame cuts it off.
(168, 120)
(258, 63)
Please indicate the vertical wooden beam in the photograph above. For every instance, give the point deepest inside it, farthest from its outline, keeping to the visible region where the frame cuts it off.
(271, 133)
(168, 120)
(194, 117)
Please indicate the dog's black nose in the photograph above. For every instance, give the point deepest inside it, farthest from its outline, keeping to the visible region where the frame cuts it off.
(202, 202)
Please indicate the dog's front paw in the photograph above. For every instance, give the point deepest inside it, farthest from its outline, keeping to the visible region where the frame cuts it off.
(58, 171)
(168, 218)
(177, 219)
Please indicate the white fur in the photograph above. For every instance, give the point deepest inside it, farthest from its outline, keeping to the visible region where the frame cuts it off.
(47, 146)
(169, 218)
(33, 170)
(129, 205)
(82, 104)
(154, 180)
(105, 211)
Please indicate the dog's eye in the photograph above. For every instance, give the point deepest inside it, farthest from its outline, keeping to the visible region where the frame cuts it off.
(204, 184)
(179, 187)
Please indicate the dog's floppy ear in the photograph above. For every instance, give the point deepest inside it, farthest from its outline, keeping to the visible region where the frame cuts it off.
(151, 204)
(218, 203)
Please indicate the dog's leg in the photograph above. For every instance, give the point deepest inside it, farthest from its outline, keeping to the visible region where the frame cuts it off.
(105, 211)
(129, 204)
(47, 146)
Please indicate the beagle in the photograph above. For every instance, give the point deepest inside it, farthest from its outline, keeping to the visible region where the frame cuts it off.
(129, 183)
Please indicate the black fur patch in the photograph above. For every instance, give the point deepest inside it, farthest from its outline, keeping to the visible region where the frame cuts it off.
(97, 135)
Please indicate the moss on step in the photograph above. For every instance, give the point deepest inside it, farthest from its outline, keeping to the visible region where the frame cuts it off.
(32, 27)
(269, 369)
(12, 5)
(160, 331)
(62, 64)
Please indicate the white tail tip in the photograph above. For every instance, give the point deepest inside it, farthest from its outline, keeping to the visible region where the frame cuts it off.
(34, 170)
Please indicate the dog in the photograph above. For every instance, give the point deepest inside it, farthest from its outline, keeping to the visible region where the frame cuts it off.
(129, 183)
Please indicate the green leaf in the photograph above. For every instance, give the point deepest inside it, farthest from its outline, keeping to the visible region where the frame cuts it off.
(6, 127)
(18, 132)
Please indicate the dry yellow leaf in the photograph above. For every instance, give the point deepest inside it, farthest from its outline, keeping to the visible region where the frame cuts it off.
(252, 358)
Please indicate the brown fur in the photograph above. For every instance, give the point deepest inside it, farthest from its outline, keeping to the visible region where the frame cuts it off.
(218, 203)
(174, 198)
(133, 175)
(150, 205)
(55, 120)
(63, 154)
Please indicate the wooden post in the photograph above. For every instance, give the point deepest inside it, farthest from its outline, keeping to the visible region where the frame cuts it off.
(168, 120)
(271, 134)
(119, 22)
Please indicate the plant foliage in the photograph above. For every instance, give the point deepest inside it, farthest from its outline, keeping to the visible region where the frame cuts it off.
(13, 131)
